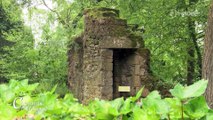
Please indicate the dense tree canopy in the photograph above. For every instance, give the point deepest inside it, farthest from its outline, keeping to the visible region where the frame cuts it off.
(15, 40)
(174, 31)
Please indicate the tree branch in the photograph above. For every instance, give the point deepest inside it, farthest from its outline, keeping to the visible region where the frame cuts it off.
(200, 35)
(58, 15)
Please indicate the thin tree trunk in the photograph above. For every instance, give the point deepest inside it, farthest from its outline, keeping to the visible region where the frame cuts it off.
(190, 49)
(207, 67)
(199, 58)
(190, 66)
(191, 55)
(191, 52)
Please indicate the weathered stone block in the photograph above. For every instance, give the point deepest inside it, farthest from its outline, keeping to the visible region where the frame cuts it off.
(107, 66)
(107, 78)
(107, 92)
(137, 69)
(136, 81)
(106, 53)
(91, 92)
(108, 60)
(137, 59)
(118, 42)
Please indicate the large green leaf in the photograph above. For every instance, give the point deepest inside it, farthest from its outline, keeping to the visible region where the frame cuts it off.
(175, 107)
(209, 115)
(22, 87)
(153, 103)
(7, 112)
(126, 108)
(116, 106)
(142, 114)
(193, 90)
(139, 114)
(196, 108)
(101, 109)
(6, 93)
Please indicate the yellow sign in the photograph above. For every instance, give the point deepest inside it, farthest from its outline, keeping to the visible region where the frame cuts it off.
(123, 88)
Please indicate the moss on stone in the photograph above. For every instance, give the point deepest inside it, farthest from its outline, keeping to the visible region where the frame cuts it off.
(75, 42)
(144, 52)
(102, 12)
(136, 39)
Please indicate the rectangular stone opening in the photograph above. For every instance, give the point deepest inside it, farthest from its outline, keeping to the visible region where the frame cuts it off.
(123, 72)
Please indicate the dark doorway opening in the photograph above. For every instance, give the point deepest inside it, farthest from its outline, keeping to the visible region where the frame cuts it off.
(123, 71)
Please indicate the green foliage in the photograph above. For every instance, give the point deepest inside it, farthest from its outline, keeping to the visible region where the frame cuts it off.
(196, 108)
(14, 62)
(43, 61)
(17, 59)
(22, 102)
(44, 58)
(167, 34)
(194, 90)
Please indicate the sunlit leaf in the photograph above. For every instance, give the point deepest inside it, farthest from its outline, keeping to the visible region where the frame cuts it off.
(196, 108)
(193, 90)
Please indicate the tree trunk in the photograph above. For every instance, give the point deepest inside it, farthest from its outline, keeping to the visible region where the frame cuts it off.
(207, 69)
(190, 65)
(190, 49)
(191, 52)
(193, 48)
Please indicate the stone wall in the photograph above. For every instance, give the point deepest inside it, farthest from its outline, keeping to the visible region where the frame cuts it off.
(75, 58)
(107, 55)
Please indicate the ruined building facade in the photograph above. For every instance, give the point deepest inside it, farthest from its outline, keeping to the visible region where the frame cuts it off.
(108, 56)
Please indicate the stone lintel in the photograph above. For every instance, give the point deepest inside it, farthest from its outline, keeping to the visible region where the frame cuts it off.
(118, 42)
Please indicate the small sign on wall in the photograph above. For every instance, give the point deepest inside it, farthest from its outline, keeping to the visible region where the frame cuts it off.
(123, 88)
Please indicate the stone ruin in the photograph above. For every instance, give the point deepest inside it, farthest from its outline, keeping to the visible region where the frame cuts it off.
(108, 60)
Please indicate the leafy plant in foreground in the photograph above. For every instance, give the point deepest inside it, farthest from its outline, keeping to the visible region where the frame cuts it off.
(22, 103)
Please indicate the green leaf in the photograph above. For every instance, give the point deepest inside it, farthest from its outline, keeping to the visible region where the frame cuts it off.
(6, 93)
(101, 109)
(138, 95)
(142, 114)
(196, 108)
(139, 114)
(154, 104)
(6, 111)
(32, 87)
(3, 87)
(130, 102)
(209, 115)
(116, 106)
(53, 89)
(174, 107)
(193, 90)
(126, 108)
(154, 95)
(178, 91)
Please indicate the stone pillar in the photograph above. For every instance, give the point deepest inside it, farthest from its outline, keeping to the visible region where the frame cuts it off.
(91, 71)
(107, 74)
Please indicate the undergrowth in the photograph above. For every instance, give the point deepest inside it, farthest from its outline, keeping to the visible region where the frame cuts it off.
(18, 100)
